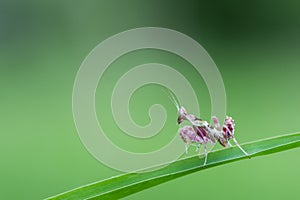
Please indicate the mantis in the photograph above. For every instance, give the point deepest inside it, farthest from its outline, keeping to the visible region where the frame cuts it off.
(201, 132)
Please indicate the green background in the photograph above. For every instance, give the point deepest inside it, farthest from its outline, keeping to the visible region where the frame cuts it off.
(255, 45)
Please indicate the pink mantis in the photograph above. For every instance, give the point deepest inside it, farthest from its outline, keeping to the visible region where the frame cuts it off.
(201, 132)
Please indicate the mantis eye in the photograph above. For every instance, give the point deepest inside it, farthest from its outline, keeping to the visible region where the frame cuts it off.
(179, 120)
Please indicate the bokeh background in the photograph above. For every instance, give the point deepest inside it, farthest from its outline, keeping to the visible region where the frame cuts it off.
(255, 45)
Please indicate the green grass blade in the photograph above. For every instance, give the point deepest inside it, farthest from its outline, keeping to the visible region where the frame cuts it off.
(124, 185)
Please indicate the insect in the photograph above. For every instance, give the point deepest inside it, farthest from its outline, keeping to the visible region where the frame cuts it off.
(202, 133)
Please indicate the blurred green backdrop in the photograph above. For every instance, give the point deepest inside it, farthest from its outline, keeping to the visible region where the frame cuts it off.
(255, 45)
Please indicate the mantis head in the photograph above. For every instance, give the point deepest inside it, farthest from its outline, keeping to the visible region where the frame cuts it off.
(181, 114)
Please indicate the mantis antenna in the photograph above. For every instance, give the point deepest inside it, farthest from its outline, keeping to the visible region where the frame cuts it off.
(172, 98)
